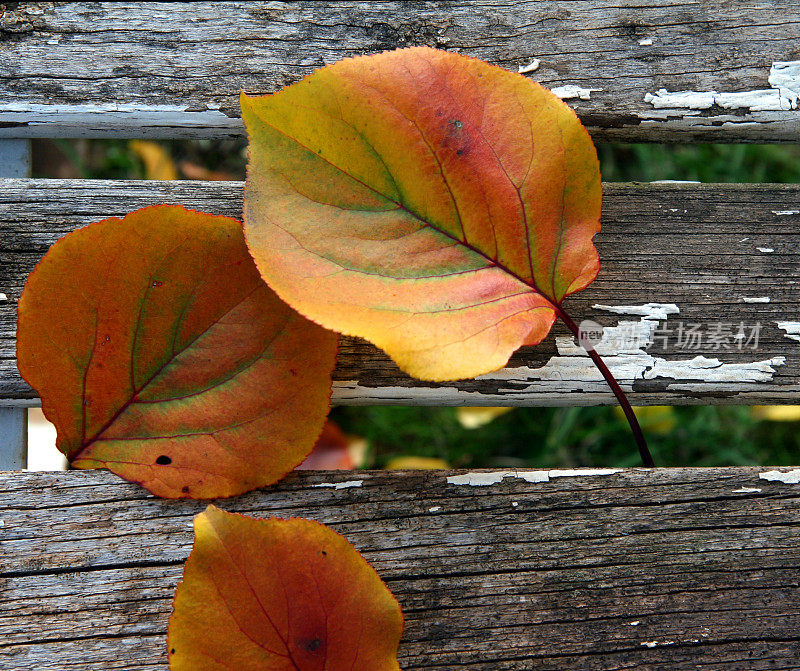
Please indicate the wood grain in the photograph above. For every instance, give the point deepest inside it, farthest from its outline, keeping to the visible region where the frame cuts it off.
(695, 246)
(667, 569)
(175, 69)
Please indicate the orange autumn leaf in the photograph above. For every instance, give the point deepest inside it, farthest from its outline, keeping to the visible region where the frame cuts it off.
(335, 450)
(283, 595)
(160, 354)
(434, 204)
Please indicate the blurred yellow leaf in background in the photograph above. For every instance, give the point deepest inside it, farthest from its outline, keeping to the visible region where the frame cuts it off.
(777, 413)
(653, 418)
(473, 418)
(158, 164)
(416, 463)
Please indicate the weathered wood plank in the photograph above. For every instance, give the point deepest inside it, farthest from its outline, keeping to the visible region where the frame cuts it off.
(665, 569)
(702, 250)
(13, 438)
(15, 161)
(175, 69)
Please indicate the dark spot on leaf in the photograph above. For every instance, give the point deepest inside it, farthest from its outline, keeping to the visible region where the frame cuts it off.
(163, 460)
(313, 645)
(172, 652)
(459, 152)
(322, 552)
(185, 490)
(157, 283)
(456, 123)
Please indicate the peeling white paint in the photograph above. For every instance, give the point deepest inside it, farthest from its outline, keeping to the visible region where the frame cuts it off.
(341, 485)
(696, 100)
(756, 299)
(2, 523)
(515, 503)
(116, 119)
(635, 623)
(792, 330)
(785, 213)
(648, 310)
(785, 75)
(784, 78)
(531, 67)
(645, 43)
(480, 479)
(435, 509)
(765, 250)
(572, 91)
(789, 477)
(3, 297)
(757, 101)
(650, 644)
(571, 377)
(746, 490)
(713, 370)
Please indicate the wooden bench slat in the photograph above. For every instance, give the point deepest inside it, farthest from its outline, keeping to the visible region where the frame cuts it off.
(704, 248)
(175, 69)
(667, 569)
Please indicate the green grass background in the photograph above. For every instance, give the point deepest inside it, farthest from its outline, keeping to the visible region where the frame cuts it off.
(538, 437)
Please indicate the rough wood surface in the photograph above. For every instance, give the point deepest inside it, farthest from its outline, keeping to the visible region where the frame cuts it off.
(668, 570)
(170, 69)
(702, 250)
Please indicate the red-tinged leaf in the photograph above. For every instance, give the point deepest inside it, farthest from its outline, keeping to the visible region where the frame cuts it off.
(335, 450)
(283, 595)
(438, 206)
(160, 354)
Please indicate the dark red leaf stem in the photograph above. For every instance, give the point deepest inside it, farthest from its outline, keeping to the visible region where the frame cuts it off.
(641, 443)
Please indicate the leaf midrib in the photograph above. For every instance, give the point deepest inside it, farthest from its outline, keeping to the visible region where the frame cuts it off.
(87, 442)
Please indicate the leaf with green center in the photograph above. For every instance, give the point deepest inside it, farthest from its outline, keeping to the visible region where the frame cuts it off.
(436, 205)
(283, 595)
(160, 354)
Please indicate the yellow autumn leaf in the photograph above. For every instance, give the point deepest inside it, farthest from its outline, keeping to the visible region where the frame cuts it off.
(416, 463)
(654, 418)
(474, 418)
(777, 413)
(158, 164)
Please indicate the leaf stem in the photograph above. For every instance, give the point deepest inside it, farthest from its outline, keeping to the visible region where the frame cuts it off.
(641, 443)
